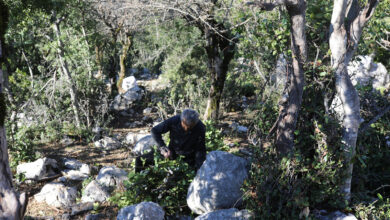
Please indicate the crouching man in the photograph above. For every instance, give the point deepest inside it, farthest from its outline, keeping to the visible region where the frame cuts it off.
(187, 138)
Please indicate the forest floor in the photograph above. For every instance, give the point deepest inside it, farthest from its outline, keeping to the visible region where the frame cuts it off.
(122, 158)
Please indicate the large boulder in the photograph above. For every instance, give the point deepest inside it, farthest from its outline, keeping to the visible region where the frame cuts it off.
(57, 195)
(217, 183)
(94, 192)
(143, 210)
(108, 143)
(226, 214)
(111, 176)
(144, 145)
(39, 169)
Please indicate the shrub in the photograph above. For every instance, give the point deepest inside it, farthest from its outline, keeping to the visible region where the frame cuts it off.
(165, 183)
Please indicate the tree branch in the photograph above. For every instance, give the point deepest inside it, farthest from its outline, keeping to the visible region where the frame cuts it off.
(376, 118)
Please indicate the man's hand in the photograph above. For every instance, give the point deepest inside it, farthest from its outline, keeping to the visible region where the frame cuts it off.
(165, 152)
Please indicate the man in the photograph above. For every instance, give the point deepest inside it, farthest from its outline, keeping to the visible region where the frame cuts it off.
(187, 138)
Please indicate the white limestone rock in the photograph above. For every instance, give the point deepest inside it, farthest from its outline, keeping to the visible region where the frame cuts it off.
(57, 195)
(144, 145)
(143, 210)
(226, 214)
(38, 169)
(111, 176)
(217, 183)
(94, 192)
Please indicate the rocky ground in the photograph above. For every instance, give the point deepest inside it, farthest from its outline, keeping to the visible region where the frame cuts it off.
(141, 121)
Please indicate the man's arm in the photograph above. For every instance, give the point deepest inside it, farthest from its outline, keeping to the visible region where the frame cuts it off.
(200, 154)
(160, 129)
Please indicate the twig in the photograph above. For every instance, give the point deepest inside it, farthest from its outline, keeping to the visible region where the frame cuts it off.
(376, 118)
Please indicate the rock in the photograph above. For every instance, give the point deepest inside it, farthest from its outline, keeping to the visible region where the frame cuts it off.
(111, 176)
(278, 77)
(79, 175)
(57, 195)
(65, 216)
(226, 214)
(93, 192)
(125, 101)
(38, 169)
(337, 215)
(108, 143)
(217, 183)
(94, 217)
(364, 71)
(76, 170)
(132, 138)
(238, 128)
(143, 210)
(144, 145)
(71, 164)
(81, 208)
(129, 83)
(147, 111)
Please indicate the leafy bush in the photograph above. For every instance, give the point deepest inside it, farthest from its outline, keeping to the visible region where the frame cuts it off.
(378, 209)
(22, 145)
(214, 138)
(165, 183)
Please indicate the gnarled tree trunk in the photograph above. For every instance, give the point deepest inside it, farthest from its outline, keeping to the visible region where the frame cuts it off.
(343, 41)
(288, 113)
(290, 109)
(220, 51)
(12, 205)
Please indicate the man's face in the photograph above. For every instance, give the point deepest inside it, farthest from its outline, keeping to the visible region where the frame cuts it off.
(186, 126)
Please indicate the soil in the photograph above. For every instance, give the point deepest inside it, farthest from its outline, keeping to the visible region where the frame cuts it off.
(88, 153)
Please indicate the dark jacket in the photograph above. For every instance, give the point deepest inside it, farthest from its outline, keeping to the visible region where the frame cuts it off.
(190, 144)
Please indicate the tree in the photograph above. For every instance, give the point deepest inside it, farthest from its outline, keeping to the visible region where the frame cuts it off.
(213, 19)
(12, 205)
(347, 23)
(292, 100)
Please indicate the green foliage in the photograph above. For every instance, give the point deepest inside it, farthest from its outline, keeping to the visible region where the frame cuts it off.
(214, 138)
(378, 209)
(373, 34)
(166, 183)
(22, 145)
(281, 189)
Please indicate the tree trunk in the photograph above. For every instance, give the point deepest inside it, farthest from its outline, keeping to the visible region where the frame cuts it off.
(12, 205)
(220, 51)
(290, 109)
(99, 61)
(122, 62)
(65, 69)
(343, 41)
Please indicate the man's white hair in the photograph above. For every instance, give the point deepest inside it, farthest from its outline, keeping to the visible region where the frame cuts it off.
(189, 116)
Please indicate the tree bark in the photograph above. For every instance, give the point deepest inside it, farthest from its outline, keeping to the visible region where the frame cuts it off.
(290, 109)
(343, 41)
(220, 51)
(12, 205)
(65, 69)
(122, 63)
